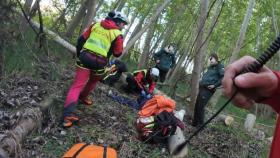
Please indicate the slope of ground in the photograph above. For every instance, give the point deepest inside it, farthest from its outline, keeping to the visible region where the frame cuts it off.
(107, 122)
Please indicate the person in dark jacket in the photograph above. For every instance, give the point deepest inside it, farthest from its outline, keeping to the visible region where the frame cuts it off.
(207, 86)
(94, 48)
(165, 60)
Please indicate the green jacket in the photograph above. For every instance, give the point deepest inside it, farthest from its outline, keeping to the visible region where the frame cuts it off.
(213, 76)
(167, 60)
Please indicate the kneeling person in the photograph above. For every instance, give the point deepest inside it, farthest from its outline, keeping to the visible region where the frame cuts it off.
(140, 79)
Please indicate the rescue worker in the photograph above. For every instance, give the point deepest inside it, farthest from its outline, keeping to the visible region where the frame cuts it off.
(207, 86)
(94, 47)
(142, 78)
(165, 60)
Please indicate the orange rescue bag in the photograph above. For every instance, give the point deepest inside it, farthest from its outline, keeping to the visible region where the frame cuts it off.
(83, 150)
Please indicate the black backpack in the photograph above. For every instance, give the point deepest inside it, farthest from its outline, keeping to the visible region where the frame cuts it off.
(165, 126)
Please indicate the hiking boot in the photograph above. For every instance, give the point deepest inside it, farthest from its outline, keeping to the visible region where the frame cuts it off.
(87, 101)
(68, 121)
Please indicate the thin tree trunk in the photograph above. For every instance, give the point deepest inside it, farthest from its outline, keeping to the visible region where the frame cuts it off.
(198, 59)
(158, 40)
(172, 25)
(34, 8)
(58, 39)
(119, 5)
(130, 24)
(214, 99)
(1, 63)
(145, 55)
(98, 6)
(59, 20)
(91, 7)
(27, 8)
(76, 20)
(152, 20)
(275, 28)
(243, 29)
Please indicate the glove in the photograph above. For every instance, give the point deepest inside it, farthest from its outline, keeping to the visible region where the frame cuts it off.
(143, 93)
(111, 62)
(149, 96)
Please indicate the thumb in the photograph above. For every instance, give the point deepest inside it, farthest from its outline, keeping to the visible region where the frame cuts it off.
(254, 80)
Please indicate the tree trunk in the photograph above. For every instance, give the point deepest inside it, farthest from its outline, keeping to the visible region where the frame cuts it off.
(34, 8)
(119, 5)
(98, 6)
(198, 59)
(59, 20)
(275, 28)
(57, 39)
(152, 20)
(27, 8)
(173, 23)
(243, 29)
(130, 24)
(91, 7)
(1, 63)
(215, 98)
(76, 20)
(137, 28)
(144, 59)
(32, 118)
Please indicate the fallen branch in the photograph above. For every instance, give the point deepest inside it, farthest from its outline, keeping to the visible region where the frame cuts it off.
(31, 120)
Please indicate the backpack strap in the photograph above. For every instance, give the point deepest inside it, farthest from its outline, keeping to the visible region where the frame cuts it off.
(79, 151)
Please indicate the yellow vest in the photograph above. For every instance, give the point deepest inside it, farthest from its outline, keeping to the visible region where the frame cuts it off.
(100, 39)
(144, 70)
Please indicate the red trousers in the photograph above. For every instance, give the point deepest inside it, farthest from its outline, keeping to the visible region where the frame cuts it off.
(84, 82)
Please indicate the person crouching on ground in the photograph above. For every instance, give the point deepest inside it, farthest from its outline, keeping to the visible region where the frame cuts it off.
(140, 79)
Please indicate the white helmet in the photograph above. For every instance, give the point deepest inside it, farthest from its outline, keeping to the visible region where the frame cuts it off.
(154, 73)
(169, 49)
(118, 15)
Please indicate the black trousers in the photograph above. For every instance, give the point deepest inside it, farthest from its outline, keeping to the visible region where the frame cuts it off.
(112, 79)
(202, 99)
(132, 84)
(162, 74)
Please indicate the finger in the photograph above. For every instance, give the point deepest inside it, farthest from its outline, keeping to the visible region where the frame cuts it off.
(243, 101)
(265, 82)
(231, 71)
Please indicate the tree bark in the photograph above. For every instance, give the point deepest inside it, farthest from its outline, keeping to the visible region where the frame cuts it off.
(143, 63)
(58, 39)
(130, 24)
(32, 118)
(27, 8)
(119, 5)
(1, 63)
(91, 7)
(76, 20)
(275, 28)
(152, 20)
(215, 98)
(198, 59)
(243, 29)
(98, 6)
